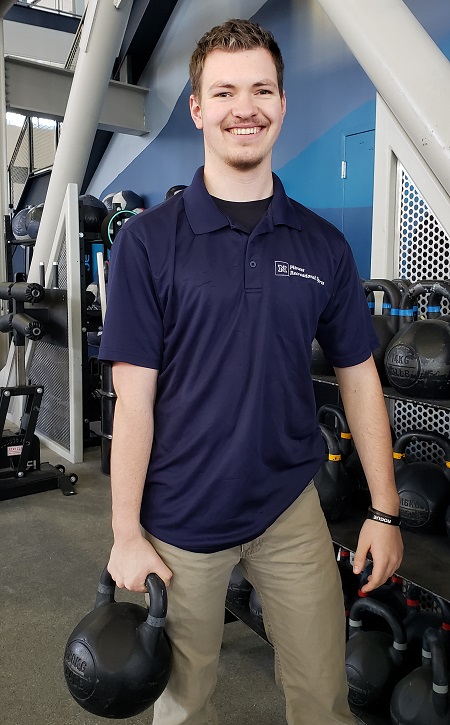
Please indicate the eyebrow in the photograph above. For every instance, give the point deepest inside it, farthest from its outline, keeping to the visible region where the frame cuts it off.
(258, 84)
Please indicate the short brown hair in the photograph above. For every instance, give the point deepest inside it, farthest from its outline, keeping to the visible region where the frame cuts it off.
(234, 35)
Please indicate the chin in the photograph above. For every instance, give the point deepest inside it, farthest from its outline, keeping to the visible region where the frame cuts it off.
(244, 164)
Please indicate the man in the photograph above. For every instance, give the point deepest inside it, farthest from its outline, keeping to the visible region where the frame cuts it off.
(214, 299)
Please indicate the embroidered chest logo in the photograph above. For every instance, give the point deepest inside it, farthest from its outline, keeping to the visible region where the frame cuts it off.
(284, 269)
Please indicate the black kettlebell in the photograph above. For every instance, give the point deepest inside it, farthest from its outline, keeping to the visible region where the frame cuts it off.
(374, 661)
(390, 593)
(350, 457)
(421, 697)
(349, 582)
(239, 589)
(418, 620)
(331, 480)
(423, 486)
(118, 658)
(417, 360)
(340, 426)
(387, 324)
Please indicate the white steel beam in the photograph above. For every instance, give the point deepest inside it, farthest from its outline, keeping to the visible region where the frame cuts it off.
(35, 89)
(103, 30)
(409, 71)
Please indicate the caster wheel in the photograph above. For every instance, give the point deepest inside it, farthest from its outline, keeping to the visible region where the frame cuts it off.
(73, 478)
(60, 467)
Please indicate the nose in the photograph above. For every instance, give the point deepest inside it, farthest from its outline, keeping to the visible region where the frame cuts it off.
(244, 105)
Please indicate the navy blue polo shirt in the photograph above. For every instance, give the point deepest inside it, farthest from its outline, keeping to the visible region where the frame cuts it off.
(228, 319)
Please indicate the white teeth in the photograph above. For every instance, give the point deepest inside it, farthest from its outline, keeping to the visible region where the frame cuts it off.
(244, 131)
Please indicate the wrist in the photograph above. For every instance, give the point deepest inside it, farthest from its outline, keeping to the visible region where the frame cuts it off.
(390, 505)
(126, 533)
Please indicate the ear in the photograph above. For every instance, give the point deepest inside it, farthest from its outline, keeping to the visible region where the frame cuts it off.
(283, 105)
(196, 112)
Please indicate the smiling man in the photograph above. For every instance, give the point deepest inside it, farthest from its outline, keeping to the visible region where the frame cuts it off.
(214, 298)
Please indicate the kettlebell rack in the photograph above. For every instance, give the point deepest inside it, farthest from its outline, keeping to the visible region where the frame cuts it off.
(426, 560)
(426, 556)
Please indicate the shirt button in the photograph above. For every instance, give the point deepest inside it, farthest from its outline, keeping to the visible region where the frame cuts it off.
(253, 263)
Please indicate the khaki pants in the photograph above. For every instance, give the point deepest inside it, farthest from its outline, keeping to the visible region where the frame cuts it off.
(293, 569)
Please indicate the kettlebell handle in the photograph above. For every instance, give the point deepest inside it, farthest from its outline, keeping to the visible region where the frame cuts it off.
(434, 287)
(382, 610)
(105, 589)
(433, 649)
(430, 286)
(390, 291)
(157, 591)
(332, 443)
(438, 439)
(339, 415)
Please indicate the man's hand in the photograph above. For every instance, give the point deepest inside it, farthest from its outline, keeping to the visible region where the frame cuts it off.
(132, 560)
(386, 547)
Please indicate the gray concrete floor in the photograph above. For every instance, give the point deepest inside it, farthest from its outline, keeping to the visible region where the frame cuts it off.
(53, 548)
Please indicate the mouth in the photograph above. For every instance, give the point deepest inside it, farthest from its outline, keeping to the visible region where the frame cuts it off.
(245, 131)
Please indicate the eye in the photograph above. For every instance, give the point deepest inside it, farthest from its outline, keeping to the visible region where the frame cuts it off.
(222, 94)
(265, 91)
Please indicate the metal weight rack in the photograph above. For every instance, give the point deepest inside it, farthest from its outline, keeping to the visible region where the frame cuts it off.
(21, 471)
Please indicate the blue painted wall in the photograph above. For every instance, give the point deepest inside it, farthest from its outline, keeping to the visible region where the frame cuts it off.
(329, 97)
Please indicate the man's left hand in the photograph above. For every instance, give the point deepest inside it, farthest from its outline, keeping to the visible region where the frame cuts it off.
(386, 547)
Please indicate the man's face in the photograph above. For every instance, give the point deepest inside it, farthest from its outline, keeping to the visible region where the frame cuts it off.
(240, 109)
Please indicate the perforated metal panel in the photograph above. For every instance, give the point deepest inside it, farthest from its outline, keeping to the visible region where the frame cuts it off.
(424, 253)
(50, 368)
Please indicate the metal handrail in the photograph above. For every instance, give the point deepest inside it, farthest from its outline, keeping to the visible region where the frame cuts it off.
(46, 8)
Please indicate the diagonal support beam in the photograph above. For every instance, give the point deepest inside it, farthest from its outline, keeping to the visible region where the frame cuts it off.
(407, 68)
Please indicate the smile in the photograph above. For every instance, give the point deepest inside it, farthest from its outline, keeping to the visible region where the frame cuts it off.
(244, 131)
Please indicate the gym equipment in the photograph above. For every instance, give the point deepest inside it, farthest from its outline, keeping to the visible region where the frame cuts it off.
(418, 620)
(92, 212)
(390, 593)
(117, 660)
(127, 199)
(374, 661)
(255, 607)
(107, 405)
(349, 581)
(387, 324)
(333, 484)
(21, 471)
(112, 224)
(341, 427)
(421, 697)
(19, 226)
(417, 360)
(174, 190)
(423, 486)
(239, 589)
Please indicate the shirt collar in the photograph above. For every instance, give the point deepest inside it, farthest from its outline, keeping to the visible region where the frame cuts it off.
(204, 216)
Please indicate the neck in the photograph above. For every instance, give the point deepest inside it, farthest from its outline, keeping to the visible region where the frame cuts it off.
(233, 185)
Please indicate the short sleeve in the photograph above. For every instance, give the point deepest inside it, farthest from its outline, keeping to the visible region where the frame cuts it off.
(345, 331)
(133, 330)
